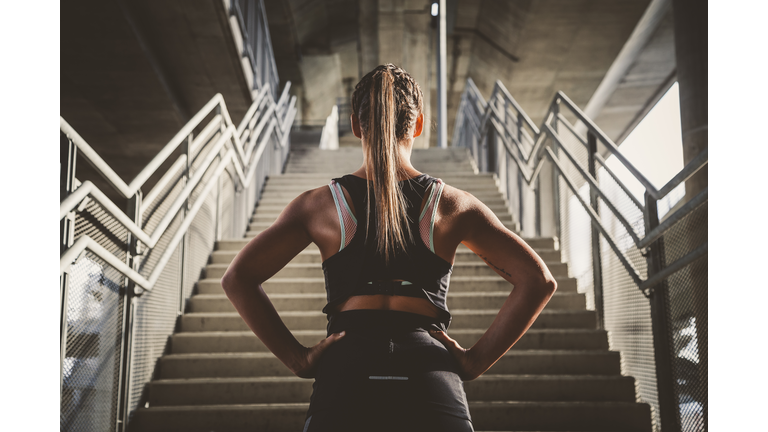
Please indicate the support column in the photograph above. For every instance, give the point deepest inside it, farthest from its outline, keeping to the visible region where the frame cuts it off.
(692, 77)
(442, 93)
(690, 19)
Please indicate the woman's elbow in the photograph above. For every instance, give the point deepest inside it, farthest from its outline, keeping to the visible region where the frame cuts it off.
(230, 281)
(549, 286)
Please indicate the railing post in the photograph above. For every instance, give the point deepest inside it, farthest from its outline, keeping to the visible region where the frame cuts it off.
(217, 217)
(67, 165)
(185, 147)
(130, 300)
(662, 348)
(555, 174)
(597, 266)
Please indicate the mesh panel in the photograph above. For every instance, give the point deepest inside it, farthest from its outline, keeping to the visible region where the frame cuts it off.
(92, 361)
(687, 321)
(627, 313)
(94, 324)
(96, 223)
(155, 318)
(156, 209)
(227, 208)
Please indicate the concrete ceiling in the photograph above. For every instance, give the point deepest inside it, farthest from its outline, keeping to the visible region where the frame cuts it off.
(535, 47)
(133, 73)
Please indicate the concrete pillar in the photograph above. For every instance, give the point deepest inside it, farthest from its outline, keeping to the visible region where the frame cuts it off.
(442, 93)
(321, 76)
(369, 36)
(691, 55)
(404, 25)
(690, 17)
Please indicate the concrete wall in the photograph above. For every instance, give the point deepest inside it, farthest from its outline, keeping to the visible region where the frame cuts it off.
(535, 47)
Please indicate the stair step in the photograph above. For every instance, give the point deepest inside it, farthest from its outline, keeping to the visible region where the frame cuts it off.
(281, 202)
(280, 195)
(463, 256)
(494, 415)
(313, 319)
(256, 227)
(535, 243)
(246, 341)
(548, 255)
(292, 270)
(252, 364)
(312, 255)
(458, 284)
(488, 188)
(315, 301)
(322, 179)
(254, 390)
(272, 213)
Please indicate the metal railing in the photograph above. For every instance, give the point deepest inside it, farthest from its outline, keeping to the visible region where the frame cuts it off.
(251, 32)
(558, 183)
(126, 275)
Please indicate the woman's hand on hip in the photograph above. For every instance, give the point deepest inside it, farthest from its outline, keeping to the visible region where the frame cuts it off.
(306, 363)
(469, 369)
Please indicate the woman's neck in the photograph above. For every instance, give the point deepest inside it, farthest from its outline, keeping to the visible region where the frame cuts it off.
(405, 169)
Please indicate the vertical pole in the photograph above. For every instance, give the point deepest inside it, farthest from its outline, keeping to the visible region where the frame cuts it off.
(663, 350)
(185, 147)
(597, 267)
(67, 166)
(555, 174)
(442, 93)
(130, 300)
(535, 185)
(217, 234)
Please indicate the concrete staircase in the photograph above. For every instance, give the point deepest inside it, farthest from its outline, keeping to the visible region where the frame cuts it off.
(218, 376)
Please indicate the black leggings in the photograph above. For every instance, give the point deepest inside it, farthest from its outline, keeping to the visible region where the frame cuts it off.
(387, 374)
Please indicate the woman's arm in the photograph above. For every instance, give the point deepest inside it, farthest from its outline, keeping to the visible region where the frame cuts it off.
(261, 258)
(481, 231)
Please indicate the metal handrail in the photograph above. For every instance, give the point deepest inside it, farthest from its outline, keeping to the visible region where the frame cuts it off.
(244, 162)
(482, 115)
(255, 15)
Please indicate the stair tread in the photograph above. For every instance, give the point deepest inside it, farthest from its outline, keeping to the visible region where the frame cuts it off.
(490, 377)
(453, 312)
(319, 265)
(515, 353)
(263, 406)
(322, 333)
(318, 279)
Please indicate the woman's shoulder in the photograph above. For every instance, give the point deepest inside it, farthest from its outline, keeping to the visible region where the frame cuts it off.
(455, 200)
(307, 203)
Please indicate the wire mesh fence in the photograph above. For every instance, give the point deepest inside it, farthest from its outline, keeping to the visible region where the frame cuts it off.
(686, 300)
(91, 366)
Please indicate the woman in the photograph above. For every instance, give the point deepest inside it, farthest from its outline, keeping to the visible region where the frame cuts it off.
(387, 235)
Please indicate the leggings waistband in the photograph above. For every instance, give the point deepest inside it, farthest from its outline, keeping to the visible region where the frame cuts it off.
(380, 321)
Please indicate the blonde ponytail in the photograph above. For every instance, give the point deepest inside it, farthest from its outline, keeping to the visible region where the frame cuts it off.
(387, 101)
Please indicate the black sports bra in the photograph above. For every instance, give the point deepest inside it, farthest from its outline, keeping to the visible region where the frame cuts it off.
(358, 269)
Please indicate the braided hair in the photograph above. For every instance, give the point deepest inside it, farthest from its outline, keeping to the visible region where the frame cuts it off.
(387, 102)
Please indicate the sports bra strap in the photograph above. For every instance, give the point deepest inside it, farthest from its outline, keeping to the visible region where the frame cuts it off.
(427, 226)
(347, 220)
